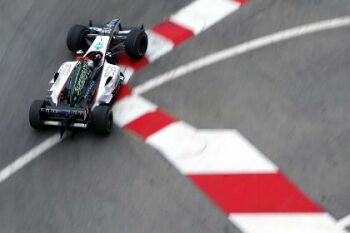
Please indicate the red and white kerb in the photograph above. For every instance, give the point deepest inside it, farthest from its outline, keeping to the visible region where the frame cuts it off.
(249, 188)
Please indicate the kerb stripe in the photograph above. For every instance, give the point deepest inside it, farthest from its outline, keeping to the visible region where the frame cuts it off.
(173, 32)
(254, 193)
(150, 123)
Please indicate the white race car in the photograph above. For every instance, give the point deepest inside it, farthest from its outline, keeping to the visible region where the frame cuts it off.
(82, 91)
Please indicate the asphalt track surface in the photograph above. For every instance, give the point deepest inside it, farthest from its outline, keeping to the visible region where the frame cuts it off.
(290, 100)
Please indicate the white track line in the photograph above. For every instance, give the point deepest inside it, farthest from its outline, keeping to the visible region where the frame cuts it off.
(29, 156)
(240, 49)
(344, 222)
(286, 222)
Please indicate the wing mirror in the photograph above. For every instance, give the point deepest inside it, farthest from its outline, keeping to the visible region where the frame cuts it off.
(80, 52)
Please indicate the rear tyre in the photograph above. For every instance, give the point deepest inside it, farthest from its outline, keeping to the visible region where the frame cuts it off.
(136, 43)
(34, 114)
(102, 120)
(76, 38)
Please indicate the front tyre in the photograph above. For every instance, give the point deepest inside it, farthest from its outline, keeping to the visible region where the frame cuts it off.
(102, 120)
(136, 43)
(34, 114)
(76, 38)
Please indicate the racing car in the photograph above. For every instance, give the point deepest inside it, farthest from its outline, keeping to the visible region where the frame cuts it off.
(82, 91)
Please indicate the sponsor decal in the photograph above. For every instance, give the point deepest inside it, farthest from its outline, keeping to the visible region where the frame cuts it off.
(98, 45)
(110, 71)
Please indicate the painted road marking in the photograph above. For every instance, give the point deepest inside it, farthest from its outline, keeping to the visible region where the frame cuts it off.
(176, 141)
(29, 156)
(136, 106)
(150, 122)
(238, 178)
(202, 14)
(293, 208)
(173, 32)
(344, 222)
(157, 46)
(254, 193)
(222, 141)
(241, 49)
(286, 223)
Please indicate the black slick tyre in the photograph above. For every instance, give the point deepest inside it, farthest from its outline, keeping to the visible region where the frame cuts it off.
(136, 43)
(102, 120)
(34, 114)
(76, 38)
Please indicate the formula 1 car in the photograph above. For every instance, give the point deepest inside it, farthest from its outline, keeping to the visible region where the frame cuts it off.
(82, 91)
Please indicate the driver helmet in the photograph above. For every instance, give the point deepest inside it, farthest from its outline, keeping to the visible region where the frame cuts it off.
(97, 58)
(90, 63)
